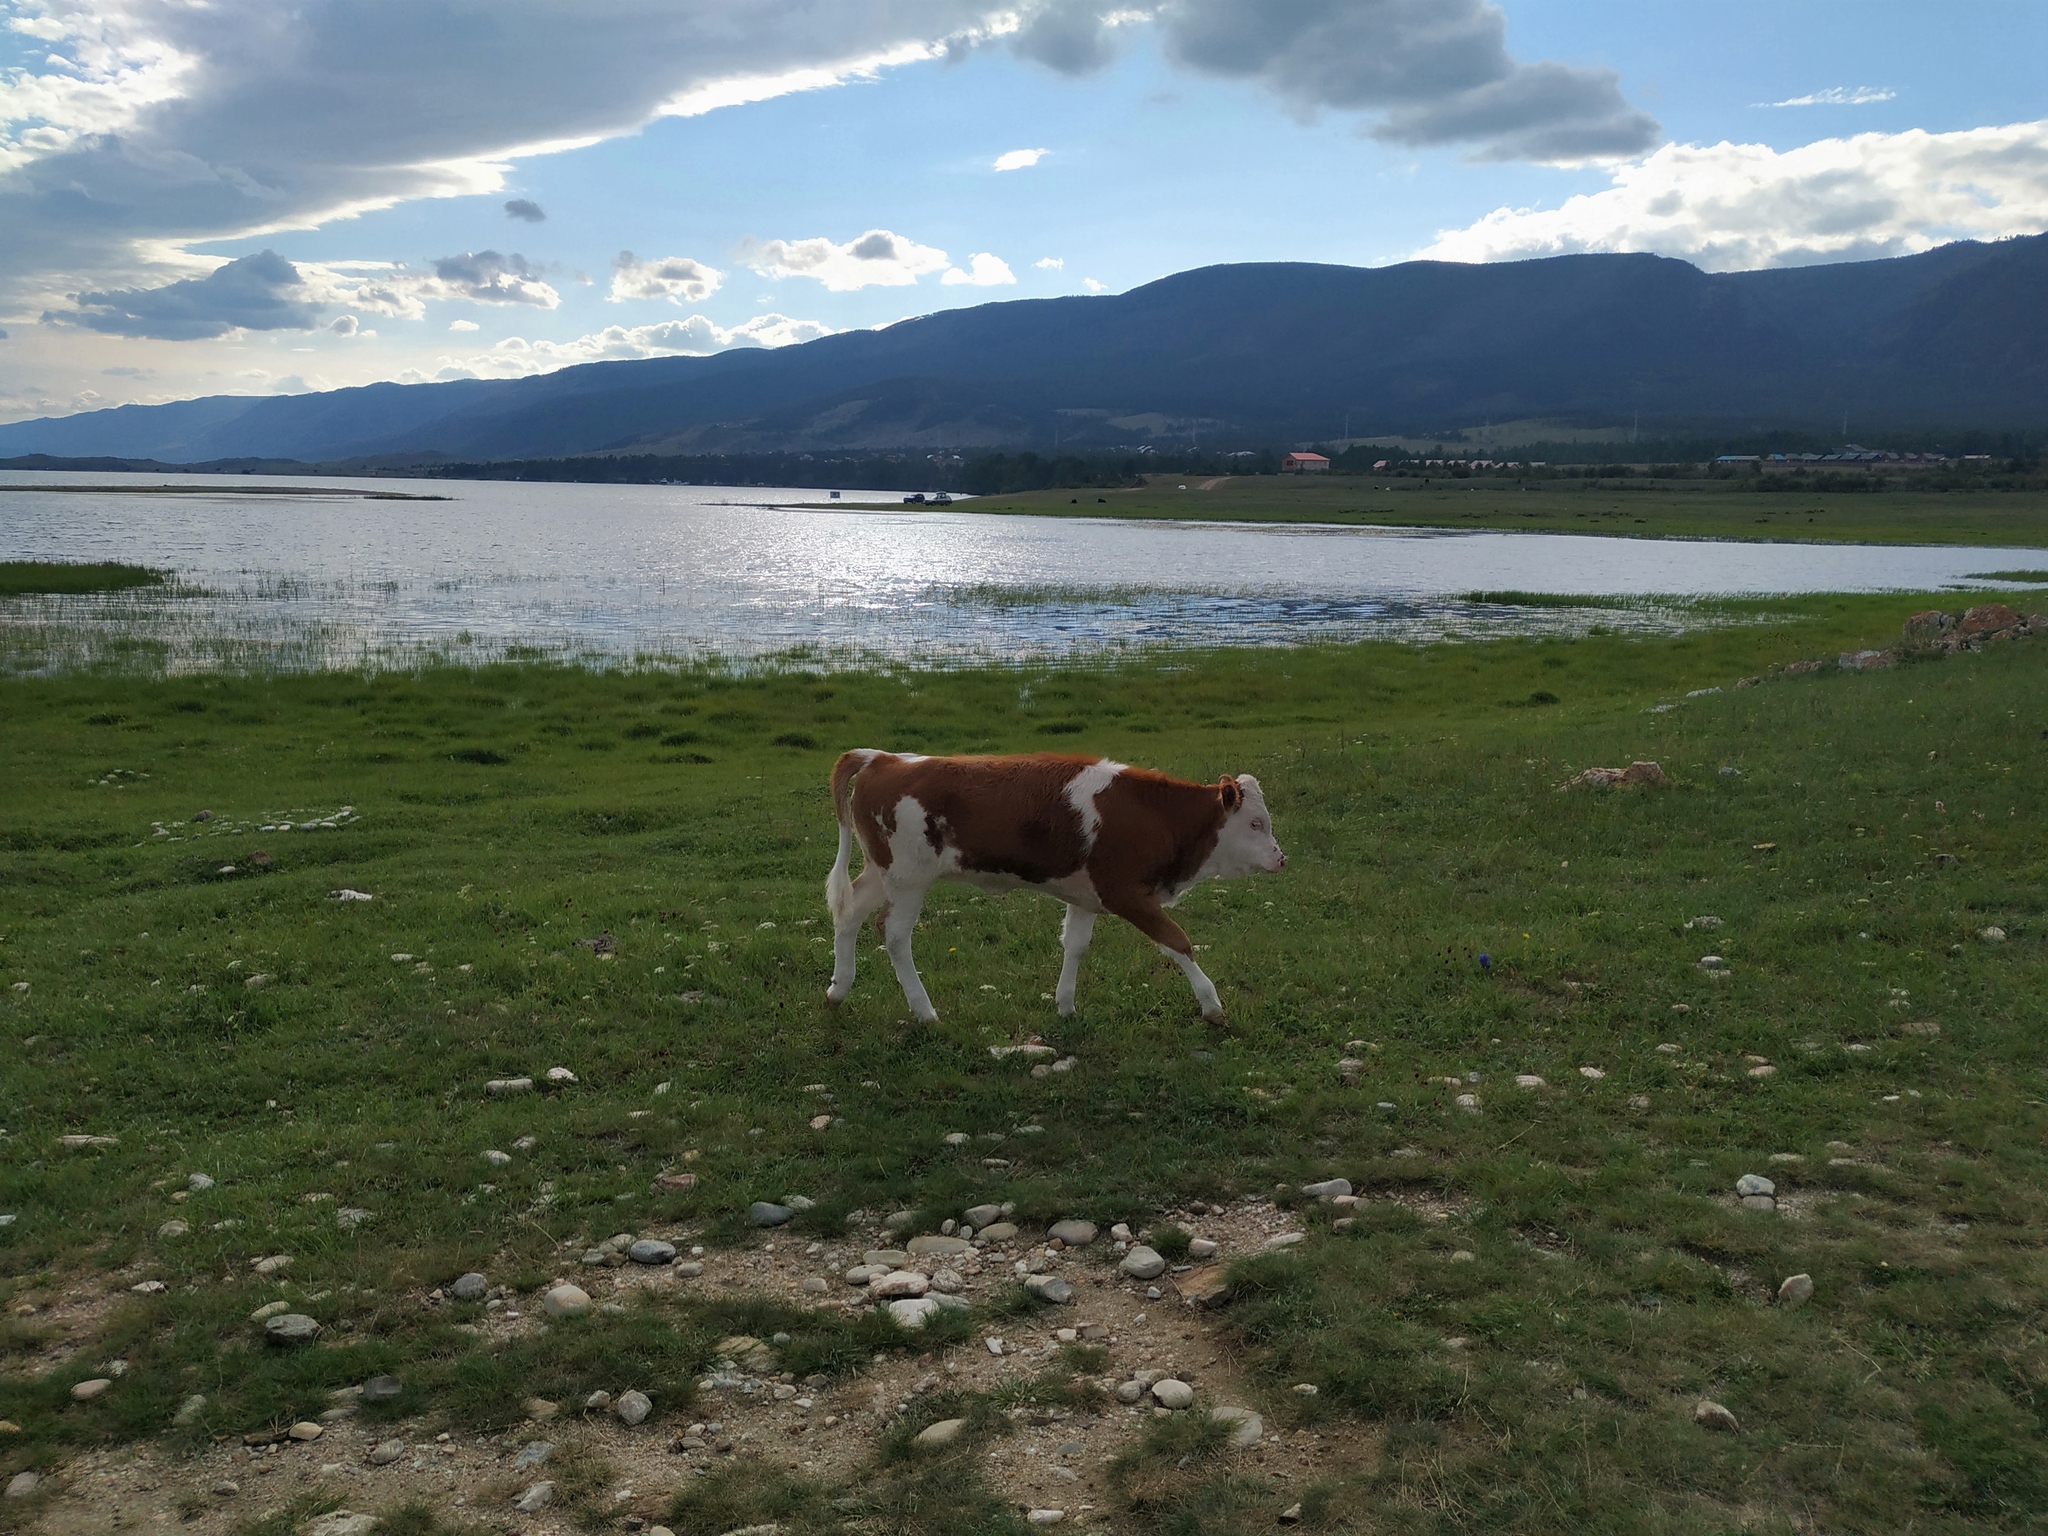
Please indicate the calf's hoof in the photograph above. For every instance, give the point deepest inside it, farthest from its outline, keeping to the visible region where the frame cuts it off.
(1214, 1018)
(836, 995)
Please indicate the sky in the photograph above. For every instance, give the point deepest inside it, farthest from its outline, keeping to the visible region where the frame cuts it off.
(204, 197)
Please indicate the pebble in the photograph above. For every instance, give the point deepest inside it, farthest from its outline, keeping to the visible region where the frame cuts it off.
(998, 1232)
(198, 1183)
(291, 1328)
(386, 1452)
(1328, 1189)
(1173, 1394)
(566, 1301)
(861, 1274)
(1796, 1291)
(469, 1287)
(813, 1285)
(1639, 1101)
(534, 1499)
(633, 1407)
(652, 1250)
(979, 1216)
(939, 1247)
(898, 1283)
(535, 1454)
(1075, 1234)
(935, 1436)
(1469, 1102)
(275, 1264)
(1526, 1080)
(1759, 1203)
(1755, 1184)
(561, 1075)
(168, 1230)
(22, 1484)
(382, 1389)
(1248, 1428)
(343, 1522)
(1281, 1240)
(765, 1213)
(149, 1288)
(911, 1311)
(305, 1430)
(1045, 1516)
(1765, 1069)
(191, 1408)
(497, 1159)
(1049, 1288)
(1992, 935)
(1306, 1388)
(1592, 1074)
(1202, 1248)
(538, 1408)
(226, 1490)
(86, 1391)
(508, 1085)
(1709, 1414)
(1142, 1263)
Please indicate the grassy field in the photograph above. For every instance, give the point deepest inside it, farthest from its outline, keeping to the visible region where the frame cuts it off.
(20, 578)
(200, 997)
(1716, 509)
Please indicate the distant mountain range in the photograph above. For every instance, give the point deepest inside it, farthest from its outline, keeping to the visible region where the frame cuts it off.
(1232, 355)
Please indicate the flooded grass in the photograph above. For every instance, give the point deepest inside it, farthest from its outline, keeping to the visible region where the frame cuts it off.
(46, 577)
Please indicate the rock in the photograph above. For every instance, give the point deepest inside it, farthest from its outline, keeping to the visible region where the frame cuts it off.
(385, 1452)
(168, 1230)
(1527, 1080)
(1202, 1248)
(1247, 1427)
(1131, 1391)
(598, 1401)
(1142, 1263)
(1796, 1291)
(469, 1287)
(305, 1431)
(86, 1391)
(502, 1085)
(1759, 1203)
(1865, 661)
(561, 1075)
(765, 1213)
(814, 1285)
(1280, 1240)
(77, 1142)
(226, 1490)
(382, 1389)
(349, 1217)
(886, 1258)
(652, 1250)
(1763, 1069)
(633, 1407)
(22, 1484)
(535, 1454)
(948, 1281)
(190, 1409)
(1992, 935)
(497, 1159)
(1928, 625)
(276, 1264)
(535, 1498)
(1468, 1102)
(1049, 1288)
(1637, 773)
(1755, 1184)
(1709, 1414)
(1329, 1189)
(1639, 1101)
(538, 1409)
(937, 1436)
(1044, 1516)
(291, 1328)
(343, 1523)
(898, 1283)
(149, 1288)
(998, 1231)
(1075, 1234)
(861, 1274)
(911, 1311)
(664, 1181)
(198, 1183)
(1989, 619)
(939, 1247)
(979, 1216)
(1172, 1393)
(1306, 1388)
(1291, 1515)
(566, 1301)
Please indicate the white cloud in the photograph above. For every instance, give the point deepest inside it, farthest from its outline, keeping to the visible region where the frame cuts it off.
(675, 278)
(1735, 206)
(983, 271)
(464, 325)
(1020, 159)
(1049, 263)
(1836, 96)
(877, 259)
(1093, 286)
(515, 357)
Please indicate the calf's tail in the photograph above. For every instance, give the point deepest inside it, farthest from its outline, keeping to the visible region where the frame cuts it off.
(839, 883)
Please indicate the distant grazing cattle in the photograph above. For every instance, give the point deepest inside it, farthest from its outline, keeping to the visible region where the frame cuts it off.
(1100, 836)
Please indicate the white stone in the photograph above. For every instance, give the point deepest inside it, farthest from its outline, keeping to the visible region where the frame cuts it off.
(535, 1498)
(1755, 1184)
(566, 1301)
(1172, 1393)
(1796, 1291)
(1247, 1427)
(898, 1283)
(1202, 1248)
(913, 1310)
(1046, 1516)
(343, 1523)
(1142, 1263)
(936, 1436)
(633, 1407)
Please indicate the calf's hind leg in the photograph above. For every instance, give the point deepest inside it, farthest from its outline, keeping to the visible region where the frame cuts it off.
(904, 907)
(1075, 932)
(1145, 914)
(866, 895)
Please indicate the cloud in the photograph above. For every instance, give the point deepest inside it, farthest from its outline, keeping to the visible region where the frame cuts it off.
(263, 292)
(516, 357)
(1020, 159)
(1071, 36)
(525, 208)
(1049, 263)
(1836, 96)
(675, 278)
(1437, 72)
(877, 259)
(347, 325)
(464, 325)
(487, 277)
(983, 271)
(1730, 207)
(1093, 286)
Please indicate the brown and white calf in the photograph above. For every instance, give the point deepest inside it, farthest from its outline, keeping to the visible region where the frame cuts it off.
(1100, 836)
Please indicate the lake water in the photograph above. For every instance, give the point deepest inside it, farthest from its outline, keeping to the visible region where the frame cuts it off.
(608, 573)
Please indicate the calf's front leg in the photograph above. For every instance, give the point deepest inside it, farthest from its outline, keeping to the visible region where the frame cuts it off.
(1075, 932)
(1142, 911)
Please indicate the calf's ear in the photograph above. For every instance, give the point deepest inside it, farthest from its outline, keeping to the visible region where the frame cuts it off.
(1233, 796)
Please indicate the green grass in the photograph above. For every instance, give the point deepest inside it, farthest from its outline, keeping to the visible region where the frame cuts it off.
(19, 578)
(2035, 576)
(502, 814)
(1716, 509)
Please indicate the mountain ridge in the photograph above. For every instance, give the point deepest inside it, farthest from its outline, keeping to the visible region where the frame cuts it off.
(1275, 351)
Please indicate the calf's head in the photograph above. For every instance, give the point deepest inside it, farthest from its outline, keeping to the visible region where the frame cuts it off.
(1246, 844)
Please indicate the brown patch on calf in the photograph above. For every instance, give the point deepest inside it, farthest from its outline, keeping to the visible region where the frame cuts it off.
(1156, 833)
(1006, 815)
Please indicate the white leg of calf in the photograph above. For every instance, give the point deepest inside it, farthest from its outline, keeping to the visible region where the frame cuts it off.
(865, 895)
(1205, 989)
(1075, 932)
(904, 906)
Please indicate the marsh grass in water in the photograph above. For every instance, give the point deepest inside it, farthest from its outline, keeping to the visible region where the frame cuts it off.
(1871, 830)
(57, 577)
